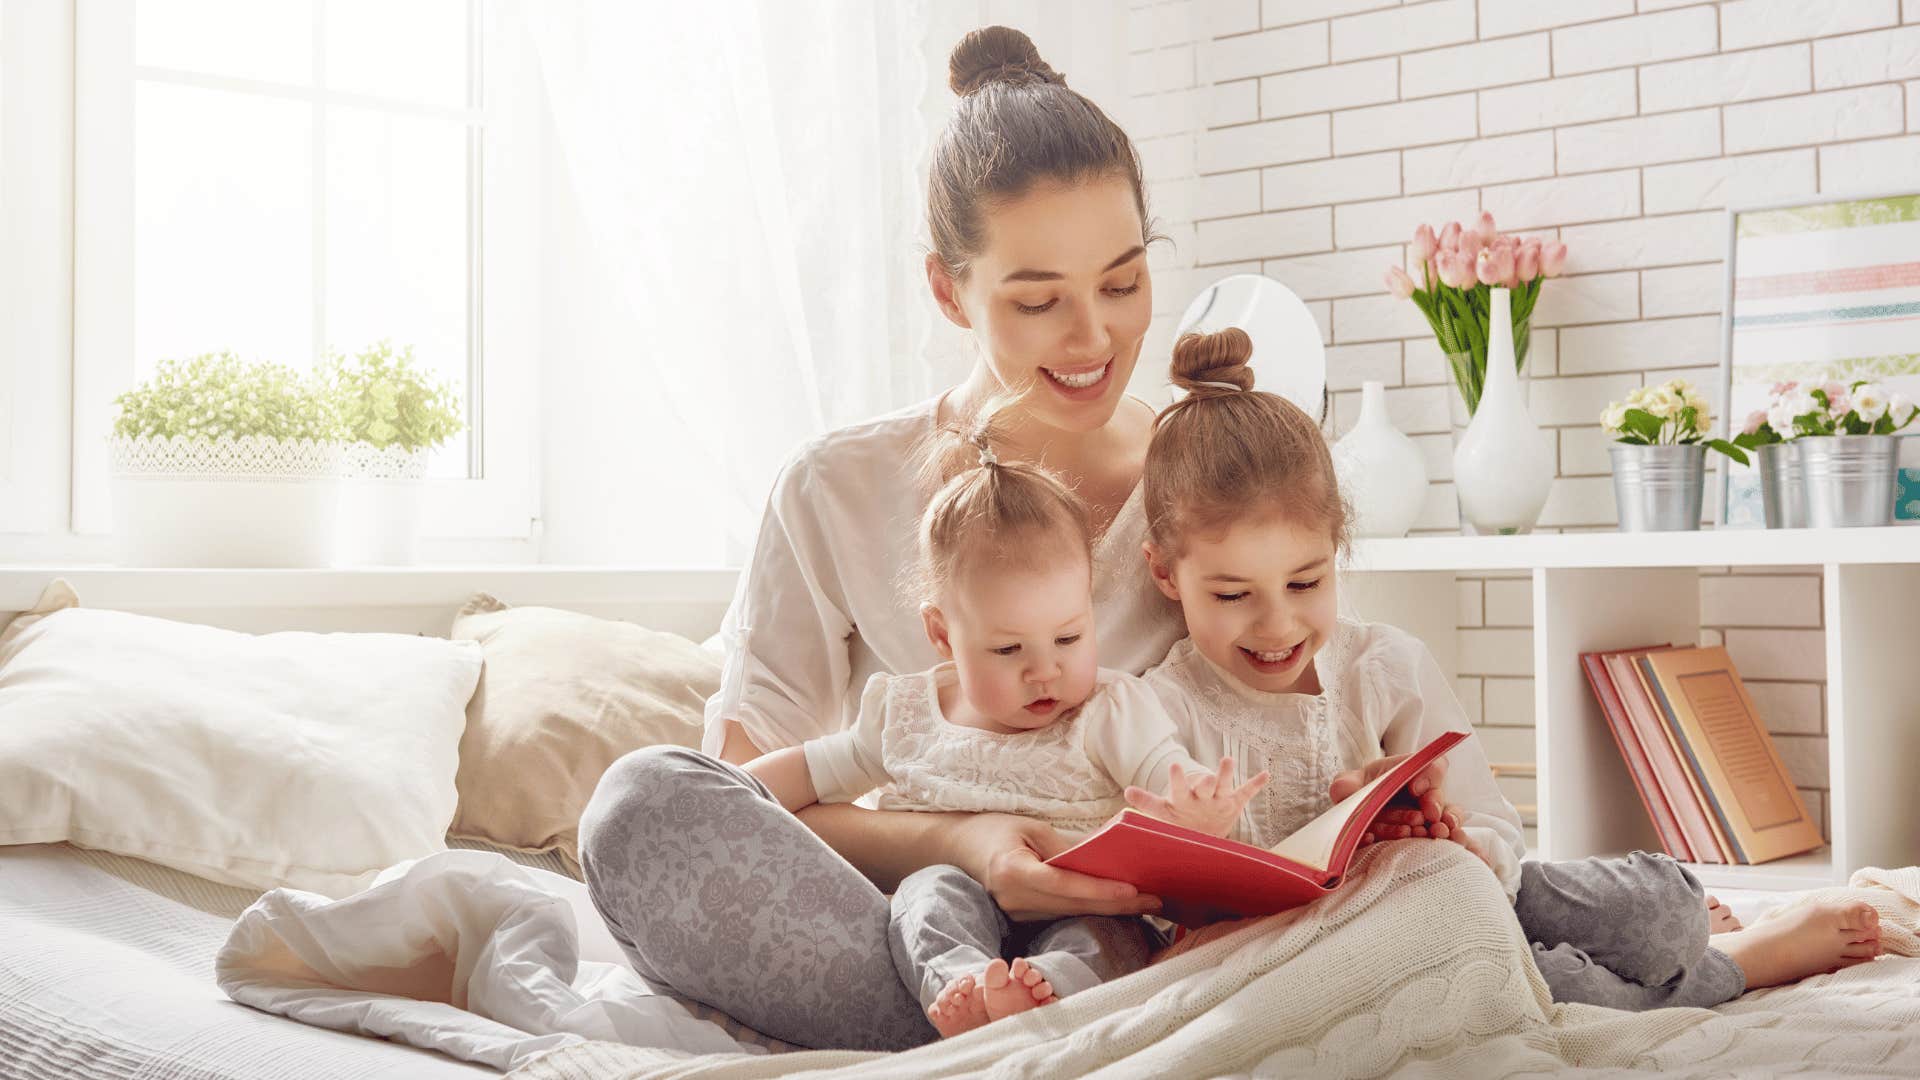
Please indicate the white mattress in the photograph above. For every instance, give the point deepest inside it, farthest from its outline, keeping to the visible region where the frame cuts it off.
(106, 971)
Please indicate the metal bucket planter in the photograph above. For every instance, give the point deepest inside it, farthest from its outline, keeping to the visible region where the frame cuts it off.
(1658, 488)
(1783, 495)
(1849, 479)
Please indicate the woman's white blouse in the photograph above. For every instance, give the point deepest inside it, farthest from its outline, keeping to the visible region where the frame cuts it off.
(821, 607)
(1382, 694)
(1070, 774)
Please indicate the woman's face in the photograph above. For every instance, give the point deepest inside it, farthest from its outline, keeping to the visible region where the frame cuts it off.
(1059, 299)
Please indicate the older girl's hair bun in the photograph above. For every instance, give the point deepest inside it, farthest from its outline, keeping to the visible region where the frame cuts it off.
(997, 54)
(1200, 359)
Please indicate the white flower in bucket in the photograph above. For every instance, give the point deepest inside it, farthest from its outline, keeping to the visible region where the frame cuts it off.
(1848, 455)
(1659, 460)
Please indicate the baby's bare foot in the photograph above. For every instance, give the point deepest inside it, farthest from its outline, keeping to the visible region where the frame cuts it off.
(1809, 939)
(1014, 989)
(959, 1007)
(1720, 917)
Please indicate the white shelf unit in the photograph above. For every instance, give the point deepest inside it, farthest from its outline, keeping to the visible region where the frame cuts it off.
(1617, 590)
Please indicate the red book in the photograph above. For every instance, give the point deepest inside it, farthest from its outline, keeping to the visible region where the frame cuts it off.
(1197, 870)
(1664, 757)
(1639, 766)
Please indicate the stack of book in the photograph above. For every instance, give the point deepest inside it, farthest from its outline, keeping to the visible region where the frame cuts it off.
(1703, 762)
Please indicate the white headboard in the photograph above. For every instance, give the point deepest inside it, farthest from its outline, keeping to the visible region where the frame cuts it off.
(408, 600)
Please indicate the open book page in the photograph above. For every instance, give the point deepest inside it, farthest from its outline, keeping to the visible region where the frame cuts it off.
(1316, 841)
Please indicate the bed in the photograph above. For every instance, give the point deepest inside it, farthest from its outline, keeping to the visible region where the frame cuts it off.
(107, 963)
(106, 970)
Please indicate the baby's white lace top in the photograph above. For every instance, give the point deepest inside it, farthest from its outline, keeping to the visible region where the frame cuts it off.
(1383, 694)
(1069, 774)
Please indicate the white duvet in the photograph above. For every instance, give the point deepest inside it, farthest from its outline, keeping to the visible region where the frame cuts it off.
(462, 952)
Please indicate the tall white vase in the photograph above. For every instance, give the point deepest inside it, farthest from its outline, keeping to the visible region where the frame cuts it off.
(1381, 471)
(1504, 464)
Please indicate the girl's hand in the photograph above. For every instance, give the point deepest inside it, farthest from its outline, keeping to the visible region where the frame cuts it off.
(1007, 854)
(1424, 788)
(1209, 803)
(1457, 834)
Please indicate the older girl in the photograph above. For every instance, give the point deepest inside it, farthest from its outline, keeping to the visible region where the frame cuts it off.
(1245, 523)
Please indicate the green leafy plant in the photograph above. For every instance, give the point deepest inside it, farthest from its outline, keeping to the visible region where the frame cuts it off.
(218, 395)
(1672, 414)
(384, 399)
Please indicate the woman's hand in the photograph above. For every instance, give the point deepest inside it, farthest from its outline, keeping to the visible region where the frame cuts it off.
(1007, 854)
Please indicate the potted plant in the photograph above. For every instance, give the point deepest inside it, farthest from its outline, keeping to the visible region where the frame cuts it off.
(1477, 289)
(1775, 457)
(221, 462)
(394, 416)
(1848, 448)
(1660, 456)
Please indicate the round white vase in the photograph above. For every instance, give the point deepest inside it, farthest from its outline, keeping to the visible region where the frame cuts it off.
(1381, 471)
(1503, 467)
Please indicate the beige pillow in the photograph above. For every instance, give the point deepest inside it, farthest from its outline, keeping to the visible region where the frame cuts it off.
(561, 697)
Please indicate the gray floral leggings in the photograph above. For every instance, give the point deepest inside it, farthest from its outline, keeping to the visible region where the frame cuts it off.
(718, 893)
(715, 891)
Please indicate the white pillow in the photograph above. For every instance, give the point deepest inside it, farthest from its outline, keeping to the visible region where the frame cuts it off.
(310, 760)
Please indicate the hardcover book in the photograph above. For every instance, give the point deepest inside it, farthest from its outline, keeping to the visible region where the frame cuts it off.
(1196, 870)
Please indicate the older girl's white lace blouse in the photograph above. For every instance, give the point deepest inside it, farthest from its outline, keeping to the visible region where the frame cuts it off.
(1069, 774)
(1382, 694)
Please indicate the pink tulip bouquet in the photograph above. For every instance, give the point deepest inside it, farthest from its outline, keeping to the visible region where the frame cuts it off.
(1458, 266)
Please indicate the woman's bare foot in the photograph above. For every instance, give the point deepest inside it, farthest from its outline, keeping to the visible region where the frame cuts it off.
(1809, 939)
(1720, 917)
(960, 1007)
(1014, 989)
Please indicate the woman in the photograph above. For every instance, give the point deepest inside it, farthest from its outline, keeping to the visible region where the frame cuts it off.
(1038, 218)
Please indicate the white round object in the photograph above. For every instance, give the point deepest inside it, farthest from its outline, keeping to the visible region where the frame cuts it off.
(1382, 473)
(1288, 357)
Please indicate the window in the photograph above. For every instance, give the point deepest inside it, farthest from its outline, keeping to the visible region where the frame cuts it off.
(292, 179)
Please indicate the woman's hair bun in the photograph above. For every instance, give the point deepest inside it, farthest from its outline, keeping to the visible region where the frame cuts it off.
(994, 54)
(1213, 358)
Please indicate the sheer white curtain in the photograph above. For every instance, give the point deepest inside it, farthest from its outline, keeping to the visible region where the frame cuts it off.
(731, 260)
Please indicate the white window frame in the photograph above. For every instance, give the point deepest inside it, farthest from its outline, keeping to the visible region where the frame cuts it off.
(503, 502)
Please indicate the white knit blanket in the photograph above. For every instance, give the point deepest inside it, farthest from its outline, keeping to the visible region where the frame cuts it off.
(1417, 968)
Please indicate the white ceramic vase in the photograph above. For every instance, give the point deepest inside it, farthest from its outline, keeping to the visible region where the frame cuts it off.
(1503, 467)
(1381, 471)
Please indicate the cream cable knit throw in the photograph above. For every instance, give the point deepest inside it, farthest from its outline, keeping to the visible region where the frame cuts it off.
(1417, 967)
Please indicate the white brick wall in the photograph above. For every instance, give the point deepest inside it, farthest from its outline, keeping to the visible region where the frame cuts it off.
(1622, 127)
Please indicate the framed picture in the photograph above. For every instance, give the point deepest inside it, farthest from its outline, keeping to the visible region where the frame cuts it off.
(1818, 290)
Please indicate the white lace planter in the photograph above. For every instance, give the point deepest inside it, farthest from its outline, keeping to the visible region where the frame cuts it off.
(247, 502)
(380, 504)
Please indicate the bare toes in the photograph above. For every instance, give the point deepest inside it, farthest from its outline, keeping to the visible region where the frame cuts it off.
(1043, 991)
(997, 975)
